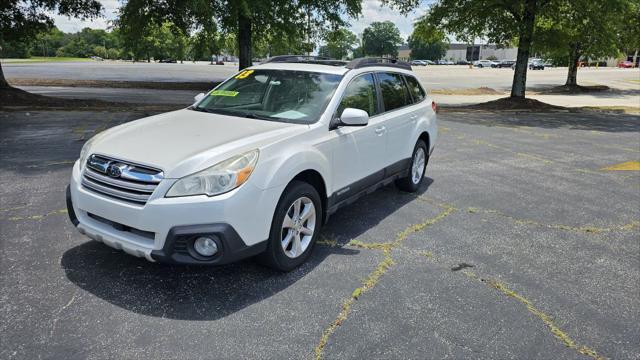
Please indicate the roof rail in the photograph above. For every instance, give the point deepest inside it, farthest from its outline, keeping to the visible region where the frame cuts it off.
(308, 59)
(378, 61)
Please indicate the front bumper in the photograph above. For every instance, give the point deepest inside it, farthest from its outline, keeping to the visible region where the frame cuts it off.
(160, 229)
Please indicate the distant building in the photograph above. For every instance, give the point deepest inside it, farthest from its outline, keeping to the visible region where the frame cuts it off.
(479, 52)
(404, 52)
(467, 52)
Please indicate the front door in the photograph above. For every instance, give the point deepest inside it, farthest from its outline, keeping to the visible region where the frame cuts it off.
(358, 150)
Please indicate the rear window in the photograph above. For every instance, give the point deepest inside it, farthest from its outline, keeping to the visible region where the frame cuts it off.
(416, 90)
(394, 92)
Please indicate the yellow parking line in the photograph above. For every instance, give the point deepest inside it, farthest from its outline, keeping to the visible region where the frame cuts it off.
(625, 166)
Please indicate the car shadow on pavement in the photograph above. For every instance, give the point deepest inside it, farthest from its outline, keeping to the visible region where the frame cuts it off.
(209, 293)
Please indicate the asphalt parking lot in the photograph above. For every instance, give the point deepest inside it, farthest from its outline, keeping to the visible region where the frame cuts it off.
(433, 77)
(520, 246)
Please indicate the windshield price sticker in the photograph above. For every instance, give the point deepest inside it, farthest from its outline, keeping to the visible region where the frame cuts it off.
(223, 93)
(244, 74)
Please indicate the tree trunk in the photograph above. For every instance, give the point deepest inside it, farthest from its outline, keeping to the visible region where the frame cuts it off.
(244, 41)
(635, 58)
(3, 82)
(525, 36)
(574, 57)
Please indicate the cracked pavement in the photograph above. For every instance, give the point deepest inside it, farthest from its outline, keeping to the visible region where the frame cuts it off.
(518, 246)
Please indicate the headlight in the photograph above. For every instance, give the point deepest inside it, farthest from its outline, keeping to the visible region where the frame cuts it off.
(85, 152)
(218, 179)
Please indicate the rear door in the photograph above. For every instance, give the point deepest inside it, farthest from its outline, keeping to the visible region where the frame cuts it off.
(399, 120)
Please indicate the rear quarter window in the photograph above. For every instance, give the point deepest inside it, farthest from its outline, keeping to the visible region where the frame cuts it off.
(415, 89)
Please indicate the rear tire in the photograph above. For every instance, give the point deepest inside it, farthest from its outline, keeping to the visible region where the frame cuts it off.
(415, 174)
(295, 227)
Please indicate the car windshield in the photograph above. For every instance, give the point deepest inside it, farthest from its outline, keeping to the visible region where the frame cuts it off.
(277, 95)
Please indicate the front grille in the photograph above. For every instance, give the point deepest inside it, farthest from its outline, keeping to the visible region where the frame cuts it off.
(120, 179)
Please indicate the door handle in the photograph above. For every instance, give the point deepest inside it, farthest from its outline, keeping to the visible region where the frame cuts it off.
(380, 130)
(413, 117)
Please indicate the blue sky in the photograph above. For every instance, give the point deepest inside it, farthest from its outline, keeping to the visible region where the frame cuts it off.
(371, 11)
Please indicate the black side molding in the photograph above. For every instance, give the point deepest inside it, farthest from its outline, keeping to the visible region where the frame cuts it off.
(367, 185)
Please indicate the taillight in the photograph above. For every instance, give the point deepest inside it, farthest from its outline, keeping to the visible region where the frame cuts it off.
(434, 106)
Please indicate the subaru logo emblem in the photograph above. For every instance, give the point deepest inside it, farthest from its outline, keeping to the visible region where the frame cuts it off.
(115, 170)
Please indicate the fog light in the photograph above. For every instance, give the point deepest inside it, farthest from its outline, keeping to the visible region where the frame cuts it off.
(205, 246)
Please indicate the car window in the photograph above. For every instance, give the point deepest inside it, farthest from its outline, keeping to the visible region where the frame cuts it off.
(277, 95)
(415, 89)
(360, 94)
(394, 92)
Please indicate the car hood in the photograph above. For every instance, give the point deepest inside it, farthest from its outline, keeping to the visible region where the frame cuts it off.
(186, 141)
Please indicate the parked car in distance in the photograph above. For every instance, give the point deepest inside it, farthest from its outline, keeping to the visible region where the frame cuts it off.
(256, 166)
(418, 63)
(168, 61)
(97, 58)
(485, 64)
(547, 63)
(536, 65)
(625, 64)
(505, 63)
(462, 62)
(429, 62)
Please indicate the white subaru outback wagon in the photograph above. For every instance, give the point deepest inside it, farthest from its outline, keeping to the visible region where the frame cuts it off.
(257, 165)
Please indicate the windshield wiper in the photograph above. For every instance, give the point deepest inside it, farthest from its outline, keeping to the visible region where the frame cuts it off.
(194, 108)
(246, 114)
(258, 116)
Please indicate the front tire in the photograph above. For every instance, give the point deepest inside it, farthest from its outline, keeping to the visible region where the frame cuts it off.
(415, 176)
(295, 227)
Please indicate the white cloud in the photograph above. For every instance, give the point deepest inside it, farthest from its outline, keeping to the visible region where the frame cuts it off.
(70, 24)
(372, 10)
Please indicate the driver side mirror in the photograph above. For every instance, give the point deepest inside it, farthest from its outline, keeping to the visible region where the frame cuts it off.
(198, 97)
(354, 117)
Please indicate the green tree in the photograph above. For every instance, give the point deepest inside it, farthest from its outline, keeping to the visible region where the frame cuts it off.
(422, 50)
(113, 53)
(100, 51)
(274, 42)
(426, 42)
(176, 43)
(339, 43)
(77, 47)
(22, 20)
(204, 43)
(48, 42)
(381, 38)
(247, 20)
(629, 30)
(501, 22)
(17, 49)
(229, 44)
(580, 29)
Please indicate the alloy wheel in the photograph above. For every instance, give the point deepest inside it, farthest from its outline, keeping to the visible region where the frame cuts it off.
(298, 226)
(417, 168)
